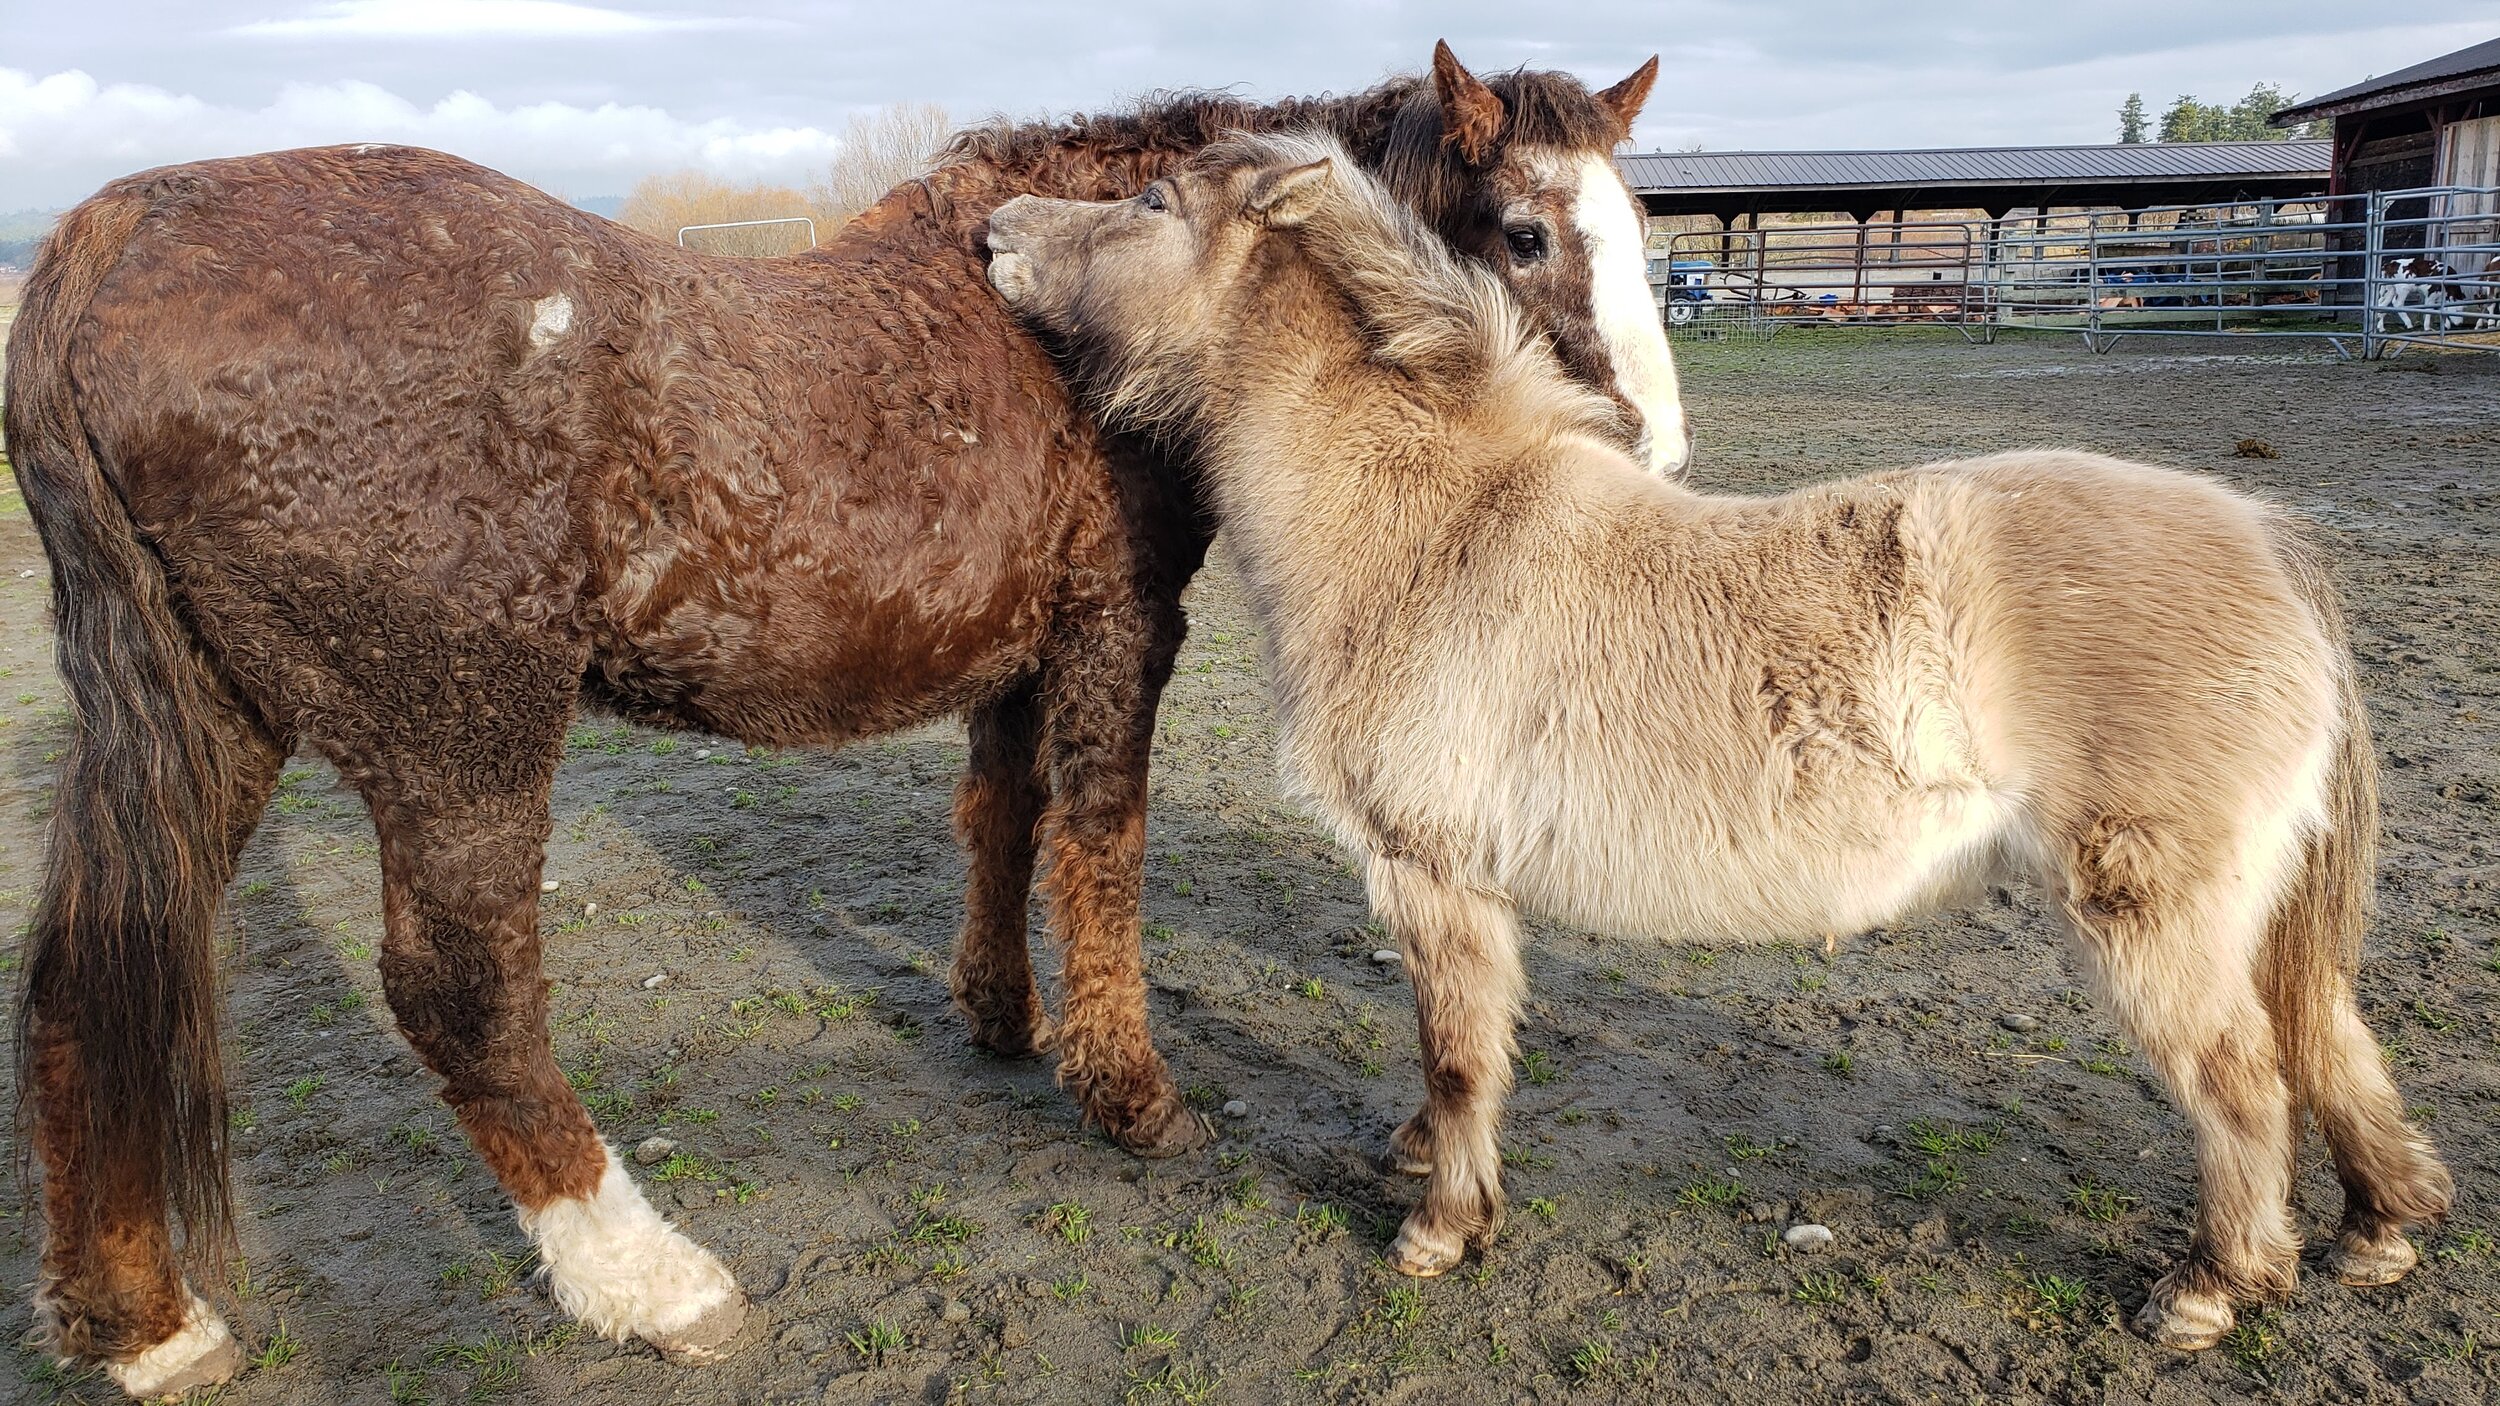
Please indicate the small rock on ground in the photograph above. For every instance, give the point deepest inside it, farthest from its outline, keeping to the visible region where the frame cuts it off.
(1807, 1238)
(655, 981)
(652, 1151)
(1237, 1109)
(1387, 957)
(2019, 1023)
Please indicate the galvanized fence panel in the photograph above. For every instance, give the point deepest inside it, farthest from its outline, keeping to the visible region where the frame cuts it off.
(2367, 274)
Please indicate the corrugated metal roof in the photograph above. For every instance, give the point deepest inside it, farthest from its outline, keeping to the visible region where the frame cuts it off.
(2465, 62)
(1665, 172)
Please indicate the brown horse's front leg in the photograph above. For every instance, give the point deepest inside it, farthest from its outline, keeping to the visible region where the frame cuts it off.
(1462, 953)
(998, 812)
(1102, 683)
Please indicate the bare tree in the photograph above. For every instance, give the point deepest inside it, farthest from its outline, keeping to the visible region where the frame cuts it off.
(880, 150)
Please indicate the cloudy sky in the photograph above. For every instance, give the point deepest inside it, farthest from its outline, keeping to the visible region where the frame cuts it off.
(583, 96)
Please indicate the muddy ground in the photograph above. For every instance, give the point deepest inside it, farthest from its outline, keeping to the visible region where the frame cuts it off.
(921, 1223)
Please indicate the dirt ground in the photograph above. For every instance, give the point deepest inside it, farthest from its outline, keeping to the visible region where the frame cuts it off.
(920, 1223)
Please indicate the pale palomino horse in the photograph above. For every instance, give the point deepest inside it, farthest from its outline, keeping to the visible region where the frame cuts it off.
(1513, 672)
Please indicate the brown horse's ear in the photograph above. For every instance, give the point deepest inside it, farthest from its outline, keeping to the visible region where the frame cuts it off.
(1626, 98)
(1283, 199)
(1471, 113)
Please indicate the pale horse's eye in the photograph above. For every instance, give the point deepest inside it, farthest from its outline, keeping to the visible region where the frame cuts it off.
(1153, 198)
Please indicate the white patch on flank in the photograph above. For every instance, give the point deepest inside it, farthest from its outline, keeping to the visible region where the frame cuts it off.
(147, 1374)
(619, 1267)
(550, 317)
(1627, 314)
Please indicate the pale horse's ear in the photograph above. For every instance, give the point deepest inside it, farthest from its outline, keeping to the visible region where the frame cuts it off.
(1284, 198)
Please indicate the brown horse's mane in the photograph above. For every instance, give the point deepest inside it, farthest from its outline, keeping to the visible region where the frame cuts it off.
(1394, 127)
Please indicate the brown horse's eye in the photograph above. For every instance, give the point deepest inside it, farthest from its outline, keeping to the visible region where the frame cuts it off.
(1153, 198)
(1527, 243)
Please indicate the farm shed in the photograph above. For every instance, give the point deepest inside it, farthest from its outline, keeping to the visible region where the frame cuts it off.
(1733, 185)
(2434, 124)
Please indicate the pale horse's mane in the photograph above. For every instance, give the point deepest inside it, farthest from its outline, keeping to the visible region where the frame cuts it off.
(1421, 308)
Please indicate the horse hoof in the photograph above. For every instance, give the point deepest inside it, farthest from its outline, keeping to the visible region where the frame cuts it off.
(202, 1354)
(1031, 1040)
(2186, 1322)
(2368, 1264)
(707, 1339)
(1167, 1129)
(1424, 1256)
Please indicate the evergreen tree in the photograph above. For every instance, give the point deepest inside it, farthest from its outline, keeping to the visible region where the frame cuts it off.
(2131, 128)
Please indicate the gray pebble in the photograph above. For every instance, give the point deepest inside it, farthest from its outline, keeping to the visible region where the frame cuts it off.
(1807, 1238)
(1387, 957)
(702, 754)
(690, 1195)
(655, 981)
(549, 886)
(1760, 1213)
(2019, 1023)
(955, 1311)
(1237, 1108)
(652, 1151)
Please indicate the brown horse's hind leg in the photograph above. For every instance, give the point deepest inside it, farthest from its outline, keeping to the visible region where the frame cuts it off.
(111, 1288)
(998, 811)
(2172, 940)
(1102, 681)
(1462, 953)
(462, 839)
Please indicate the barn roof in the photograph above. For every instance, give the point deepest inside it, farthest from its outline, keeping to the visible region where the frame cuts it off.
(2475, 66)
(2013, 177)
(1979, 165)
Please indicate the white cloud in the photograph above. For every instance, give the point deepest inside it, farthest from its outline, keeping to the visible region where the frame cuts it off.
(471, 19)
(69, 121)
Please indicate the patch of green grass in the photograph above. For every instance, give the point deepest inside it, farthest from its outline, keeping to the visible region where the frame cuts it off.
(1713, 1191)
(278, 1351)
(1593, 1359)
(2093, 1201)
(1536, 1067)
(2252, 1340)
(1402, 1307)
(874, 1341)
(1823, 1287)
(2056, 1296)
(1067, 1220)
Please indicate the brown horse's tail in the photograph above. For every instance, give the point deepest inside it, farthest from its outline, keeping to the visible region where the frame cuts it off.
(117, 1029)
(2313, 950)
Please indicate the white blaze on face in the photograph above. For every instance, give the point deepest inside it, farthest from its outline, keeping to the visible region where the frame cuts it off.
(1626, 313)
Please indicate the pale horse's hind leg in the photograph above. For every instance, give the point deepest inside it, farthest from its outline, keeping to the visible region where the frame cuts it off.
(463, 835)
(1462, 952)
(2170, 932)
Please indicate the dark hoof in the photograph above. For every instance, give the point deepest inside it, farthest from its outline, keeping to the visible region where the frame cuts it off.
(1167, 1129)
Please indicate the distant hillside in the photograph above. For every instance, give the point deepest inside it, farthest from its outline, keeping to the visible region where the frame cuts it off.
(21, 231)
(604, 206)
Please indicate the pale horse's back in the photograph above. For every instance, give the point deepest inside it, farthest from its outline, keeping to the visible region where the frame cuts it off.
(1689, 717)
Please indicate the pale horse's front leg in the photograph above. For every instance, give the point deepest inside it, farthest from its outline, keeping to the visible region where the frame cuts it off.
(1462, 952)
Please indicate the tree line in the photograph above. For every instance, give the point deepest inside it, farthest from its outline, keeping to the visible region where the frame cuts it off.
(2187, 120)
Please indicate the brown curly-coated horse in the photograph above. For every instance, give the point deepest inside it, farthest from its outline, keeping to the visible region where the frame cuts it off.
(372, 451)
